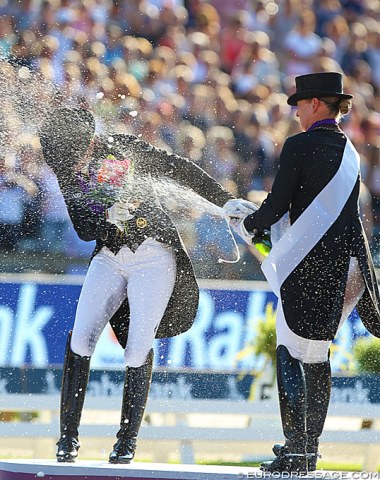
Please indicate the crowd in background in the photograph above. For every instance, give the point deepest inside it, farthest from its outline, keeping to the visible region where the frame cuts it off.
(205, 79)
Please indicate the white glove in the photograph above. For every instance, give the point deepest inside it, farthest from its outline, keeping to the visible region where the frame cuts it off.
(238, 225)
(118, 214)
(239, 208)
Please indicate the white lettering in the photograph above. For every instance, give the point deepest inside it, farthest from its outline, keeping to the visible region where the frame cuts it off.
(255, 312)
(104, 387)
(223, 347)
(3, 385)
(28, 332)
(6, 317)
(178, 390)
(195, 337)
(233, 393)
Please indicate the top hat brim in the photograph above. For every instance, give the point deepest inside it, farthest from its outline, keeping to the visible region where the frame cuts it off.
(293, 99)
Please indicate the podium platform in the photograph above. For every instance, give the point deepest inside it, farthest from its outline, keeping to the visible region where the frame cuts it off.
(17, 469)
(95, 470)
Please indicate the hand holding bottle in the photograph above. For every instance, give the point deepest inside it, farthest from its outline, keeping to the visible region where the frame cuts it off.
(260, 240)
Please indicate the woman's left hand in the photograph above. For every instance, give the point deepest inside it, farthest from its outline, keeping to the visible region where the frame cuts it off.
(118, 214)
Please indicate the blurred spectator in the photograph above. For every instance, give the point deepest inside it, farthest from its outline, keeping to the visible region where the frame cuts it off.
(220, 158)
(16, 193)
(233, 40)
(7, 36)
(373, 57)
(55, 219)
(191, 142)
(302, 46)
(256, 64)
(206, 79)
(338, 31)
(327, 10)
(281, 24)
(356, 50)
(371, 151)
(150, 124)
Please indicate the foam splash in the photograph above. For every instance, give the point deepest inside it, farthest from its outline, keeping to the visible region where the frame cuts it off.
(27, 99)
(179, 200)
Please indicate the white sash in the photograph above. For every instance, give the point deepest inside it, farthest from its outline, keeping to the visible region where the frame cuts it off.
(313, 223)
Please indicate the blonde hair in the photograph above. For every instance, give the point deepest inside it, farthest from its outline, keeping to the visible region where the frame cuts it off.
(337, 106)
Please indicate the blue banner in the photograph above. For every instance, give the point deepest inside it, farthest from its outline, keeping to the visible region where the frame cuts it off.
(180, 385)
(36, 313)
(165, 384)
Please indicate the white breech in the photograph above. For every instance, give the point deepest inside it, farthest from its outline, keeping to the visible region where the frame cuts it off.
(146, 276)
(316, 351)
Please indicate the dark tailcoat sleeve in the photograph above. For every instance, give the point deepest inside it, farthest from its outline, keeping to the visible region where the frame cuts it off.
(278, 202)
(188, 174)
(312, 295)
(162, 164)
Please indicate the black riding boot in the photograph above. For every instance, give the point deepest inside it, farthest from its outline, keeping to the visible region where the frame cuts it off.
(292, 397)
(74, 383)
(318, 388)
(135, 395)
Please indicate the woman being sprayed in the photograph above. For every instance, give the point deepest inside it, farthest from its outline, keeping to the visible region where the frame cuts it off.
(140, 278)
(320, 268)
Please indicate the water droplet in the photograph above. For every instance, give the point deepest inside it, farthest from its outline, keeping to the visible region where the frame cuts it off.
(24, 73)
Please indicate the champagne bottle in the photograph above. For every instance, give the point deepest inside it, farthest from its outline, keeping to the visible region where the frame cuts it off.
(262, 242)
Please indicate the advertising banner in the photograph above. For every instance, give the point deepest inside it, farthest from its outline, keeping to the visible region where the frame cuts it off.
(36, 313)
(180, 385)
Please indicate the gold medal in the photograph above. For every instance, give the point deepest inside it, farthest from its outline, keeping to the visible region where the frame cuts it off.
(141, 222)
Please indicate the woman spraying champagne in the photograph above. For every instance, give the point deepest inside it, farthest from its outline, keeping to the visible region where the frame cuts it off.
(320, 268)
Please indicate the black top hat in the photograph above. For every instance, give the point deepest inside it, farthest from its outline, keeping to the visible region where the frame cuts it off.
(318, 85)
(66, 133)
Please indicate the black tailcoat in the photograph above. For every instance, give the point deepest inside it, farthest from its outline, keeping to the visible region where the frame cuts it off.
(313, 294)
(90, 223)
